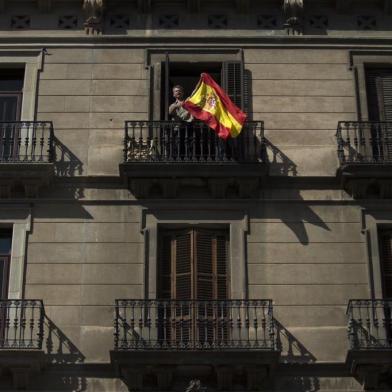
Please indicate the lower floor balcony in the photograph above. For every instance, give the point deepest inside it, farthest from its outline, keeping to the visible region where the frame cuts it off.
(21, 337)
(370, 337)
(153, 338)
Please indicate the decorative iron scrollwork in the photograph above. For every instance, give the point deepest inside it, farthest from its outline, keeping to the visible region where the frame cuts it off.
(293, 12)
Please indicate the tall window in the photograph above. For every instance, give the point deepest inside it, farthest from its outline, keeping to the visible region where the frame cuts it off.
(193, 264)
(11, 89)
(228, 74)
(386, 262)
(379, 93)
(5, 257)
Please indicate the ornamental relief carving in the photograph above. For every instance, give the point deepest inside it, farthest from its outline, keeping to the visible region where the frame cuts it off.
(94, 16)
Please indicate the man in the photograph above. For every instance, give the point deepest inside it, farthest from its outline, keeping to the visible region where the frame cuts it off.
(176, 111)
(182, 137)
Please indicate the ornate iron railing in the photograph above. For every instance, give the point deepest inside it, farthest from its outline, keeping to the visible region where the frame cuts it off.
(26, 142)
(364, 142)
(168, 141)
(21, 324)
(194, 325)
(370, 324)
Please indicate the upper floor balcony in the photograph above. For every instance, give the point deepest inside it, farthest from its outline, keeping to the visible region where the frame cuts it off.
(365, 156)
(159, 154)
(26, 157)
(224, 334)
(370, 338)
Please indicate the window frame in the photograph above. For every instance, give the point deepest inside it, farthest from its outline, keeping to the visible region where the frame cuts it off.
(32, 62)
(154, 57)
(359, 60)
(235, 220)
(374, 221)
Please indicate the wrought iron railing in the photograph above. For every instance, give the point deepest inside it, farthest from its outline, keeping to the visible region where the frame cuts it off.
(364, 142)
(194, 325)
(26, 142)
(370, 324)
(168, 141)
(21, 324)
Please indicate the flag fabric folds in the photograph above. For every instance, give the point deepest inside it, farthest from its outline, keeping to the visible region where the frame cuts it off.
(210, 104)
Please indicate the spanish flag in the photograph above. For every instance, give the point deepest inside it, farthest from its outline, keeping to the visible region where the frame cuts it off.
(210, 104)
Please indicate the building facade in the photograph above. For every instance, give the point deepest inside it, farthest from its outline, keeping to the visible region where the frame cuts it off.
(143, 253)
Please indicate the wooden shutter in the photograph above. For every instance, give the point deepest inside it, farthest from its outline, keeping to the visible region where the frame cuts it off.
(233, 81)
(379, 92)
(386, 263)
(193, 264)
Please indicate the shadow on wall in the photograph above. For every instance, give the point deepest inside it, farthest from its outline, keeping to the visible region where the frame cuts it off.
(298, 214)
(294, 352)
(60, 351)
(66, 162)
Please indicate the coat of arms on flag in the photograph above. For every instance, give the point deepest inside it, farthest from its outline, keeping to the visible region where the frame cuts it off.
(210, 104)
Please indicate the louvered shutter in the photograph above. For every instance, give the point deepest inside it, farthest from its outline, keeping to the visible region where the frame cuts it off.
(386, 263)
(233, 81)
(379, 92)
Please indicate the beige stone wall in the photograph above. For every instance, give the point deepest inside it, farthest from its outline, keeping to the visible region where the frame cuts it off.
(301, 94)
(89, 94)
(310, 258)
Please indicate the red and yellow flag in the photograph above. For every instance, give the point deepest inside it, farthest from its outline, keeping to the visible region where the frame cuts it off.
(210, 103)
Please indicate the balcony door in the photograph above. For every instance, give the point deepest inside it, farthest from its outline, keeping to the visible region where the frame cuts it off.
(5, 257)
(11, 91)
(379, 92)
(193, 276)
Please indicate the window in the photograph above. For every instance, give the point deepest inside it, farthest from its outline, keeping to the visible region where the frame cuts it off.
(386, 262)
(5, 257)
(379, 95)
(193, 265)
(11, 89)
(193, 275)
(228, 74)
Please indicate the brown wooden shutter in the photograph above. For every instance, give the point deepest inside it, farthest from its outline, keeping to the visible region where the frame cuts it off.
(386, 263)
(193, 264)
(233, 81)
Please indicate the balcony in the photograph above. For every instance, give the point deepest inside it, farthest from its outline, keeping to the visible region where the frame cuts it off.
(21, 336)
(161, 156)
(370, 338)
(365, 156)
(156, 337)
(26, 157)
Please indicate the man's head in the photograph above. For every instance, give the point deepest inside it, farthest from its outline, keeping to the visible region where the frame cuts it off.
(178, 92)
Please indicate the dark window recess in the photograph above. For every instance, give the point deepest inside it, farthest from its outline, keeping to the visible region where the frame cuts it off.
(229, 75)
(318, 22)
(119, 21)
(20, 22)
(367, 22)
(5, 256)
(68, 22)
(379, 95)
(169, 21)
(217, 21)
(193, 264)
(267, 22)
(386, 262)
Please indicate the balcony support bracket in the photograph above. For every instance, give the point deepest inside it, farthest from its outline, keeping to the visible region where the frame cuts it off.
(22, 365)
(372, 368)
